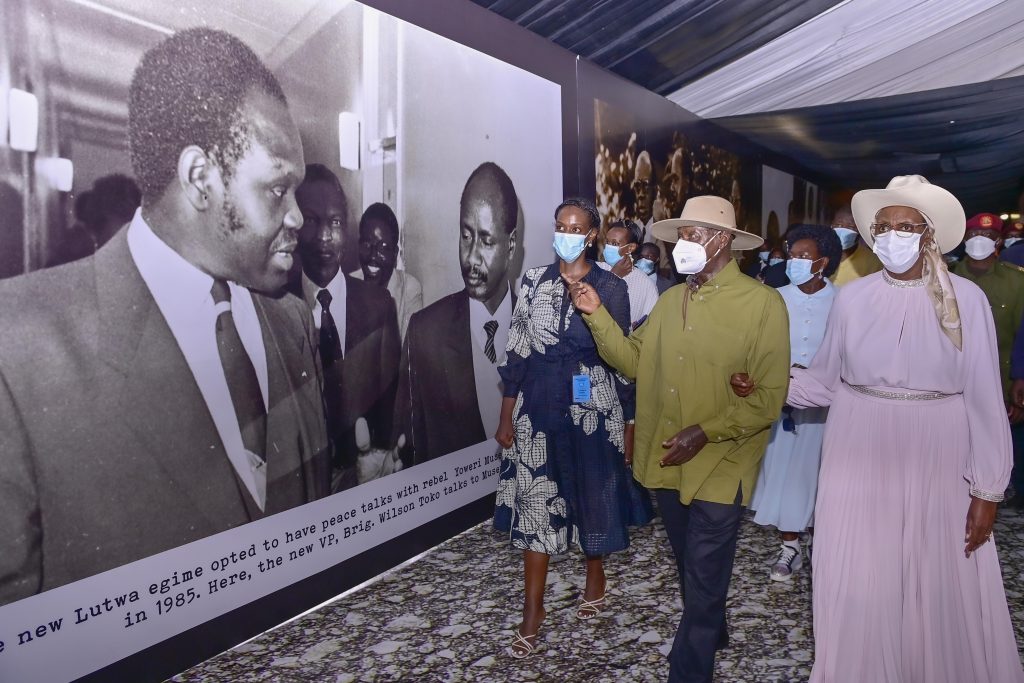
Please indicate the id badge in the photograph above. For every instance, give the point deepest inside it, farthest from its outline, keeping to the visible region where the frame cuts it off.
(580, 388)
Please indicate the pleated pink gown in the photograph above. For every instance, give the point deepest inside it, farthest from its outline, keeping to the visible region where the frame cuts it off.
(895, 600)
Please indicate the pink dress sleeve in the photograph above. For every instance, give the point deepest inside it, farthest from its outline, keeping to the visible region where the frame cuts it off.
(816, 386)
(991, 458)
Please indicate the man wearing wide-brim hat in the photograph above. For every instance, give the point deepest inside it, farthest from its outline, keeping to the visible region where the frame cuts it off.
(698, 447)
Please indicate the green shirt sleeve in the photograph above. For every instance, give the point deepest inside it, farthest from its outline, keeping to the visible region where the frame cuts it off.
(618, 350)
(768, 366)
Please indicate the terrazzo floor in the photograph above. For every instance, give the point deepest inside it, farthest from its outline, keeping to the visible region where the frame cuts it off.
(449, 617)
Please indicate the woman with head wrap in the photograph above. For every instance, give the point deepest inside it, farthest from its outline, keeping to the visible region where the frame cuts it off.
(916, 454)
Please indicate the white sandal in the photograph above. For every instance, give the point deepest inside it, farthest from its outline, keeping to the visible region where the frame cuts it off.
(589, 609)
(521, 647)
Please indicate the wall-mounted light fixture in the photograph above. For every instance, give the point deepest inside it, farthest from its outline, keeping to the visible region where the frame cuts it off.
(348, 141)
(23, 113)
(59, 172)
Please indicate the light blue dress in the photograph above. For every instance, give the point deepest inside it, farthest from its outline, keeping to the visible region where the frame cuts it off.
(786, 488)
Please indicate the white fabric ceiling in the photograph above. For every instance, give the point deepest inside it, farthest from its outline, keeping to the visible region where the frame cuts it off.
(862, 49)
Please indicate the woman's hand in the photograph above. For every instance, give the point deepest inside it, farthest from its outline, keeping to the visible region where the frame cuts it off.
(980, 518)
(741, 384)
(684, 446)
(505, 434)
(584, 297)
(628, 441)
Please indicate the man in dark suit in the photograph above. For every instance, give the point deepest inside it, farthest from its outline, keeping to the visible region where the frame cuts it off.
(454, 346)
(358, 331)
(161, 390)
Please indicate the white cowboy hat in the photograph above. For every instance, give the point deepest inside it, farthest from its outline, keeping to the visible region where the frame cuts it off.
(939, 207)
(707, 211)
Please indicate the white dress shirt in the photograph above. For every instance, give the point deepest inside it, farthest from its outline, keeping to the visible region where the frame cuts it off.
(182, 293)
(339, 291)
(643, 293)
(488, 381)
(808, 314)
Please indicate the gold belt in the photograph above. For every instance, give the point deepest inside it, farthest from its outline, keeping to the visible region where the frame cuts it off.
(899, 396)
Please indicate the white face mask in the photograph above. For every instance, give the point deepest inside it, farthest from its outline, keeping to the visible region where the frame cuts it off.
(691, 257)
(898, 251)
(979, 248)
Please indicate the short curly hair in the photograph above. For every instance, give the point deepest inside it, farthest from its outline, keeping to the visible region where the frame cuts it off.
(826, 239)
(189, 90)
(584, 205)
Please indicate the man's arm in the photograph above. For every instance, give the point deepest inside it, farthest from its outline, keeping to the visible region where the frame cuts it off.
(618, 350)
(768, 367)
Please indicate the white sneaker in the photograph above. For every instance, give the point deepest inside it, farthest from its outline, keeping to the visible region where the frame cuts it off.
(789, 562)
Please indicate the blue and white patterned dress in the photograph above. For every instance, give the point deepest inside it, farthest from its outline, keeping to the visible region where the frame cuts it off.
(564, 480)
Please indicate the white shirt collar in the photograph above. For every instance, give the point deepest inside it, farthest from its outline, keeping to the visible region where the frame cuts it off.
(338, 288)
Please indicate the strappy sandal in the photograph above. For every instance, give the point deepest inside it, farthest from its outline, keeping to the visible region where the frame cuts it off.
(521, 647)
(589, 609)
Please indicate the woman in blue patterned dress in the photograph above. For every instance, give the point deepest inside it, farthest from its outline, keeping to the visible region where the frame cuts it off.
(564, 474)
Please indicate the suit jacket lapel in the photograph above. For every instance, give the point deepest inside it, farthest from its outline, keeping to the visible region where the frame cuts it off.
(296, 442)
(157, 397)
(457, 358)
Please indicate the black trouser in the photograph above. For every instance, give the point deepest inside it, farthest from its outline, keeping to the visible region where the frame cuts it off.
(703, 537)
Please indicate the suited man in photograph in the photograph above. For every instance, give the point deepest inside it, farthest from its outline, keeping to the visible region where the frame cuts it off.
(454, 346)
(358, 332)
(162, 390)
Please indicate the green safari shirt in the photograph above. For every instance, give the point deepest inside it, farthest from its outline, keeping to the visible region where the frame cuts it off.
(733, 324)
(1003, 285)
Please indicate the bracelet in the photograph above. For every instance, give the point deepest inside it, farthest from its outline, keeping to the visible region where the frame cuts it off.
(631, 422)
(986, 495)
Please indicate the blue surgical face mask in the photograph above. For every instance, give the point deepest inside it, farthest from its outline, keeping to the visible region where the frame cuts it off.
(763, 255)
(798, 270)
(611, 255)
(644, 265)
(775, 261)
(847, 237)
(569, 247)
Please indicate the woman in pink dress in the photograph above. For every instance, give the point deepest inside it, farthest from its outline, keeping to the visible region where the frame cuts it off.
(916, 454)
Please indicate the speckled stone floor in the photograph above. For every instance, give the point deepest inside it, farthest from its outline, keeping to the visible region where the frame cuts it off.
(449, 617)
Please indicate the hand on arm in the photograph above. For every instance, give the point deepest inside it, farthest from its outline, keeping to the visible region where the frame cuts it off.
(741, 384)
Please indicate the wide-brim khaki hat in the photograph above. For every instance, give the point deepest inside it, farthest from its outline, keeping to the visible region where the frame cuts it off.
(939, 207)
(707, 211)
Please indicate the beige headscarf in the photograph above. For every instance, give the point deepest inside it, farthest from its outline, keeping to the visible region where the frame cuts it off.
(940, 291)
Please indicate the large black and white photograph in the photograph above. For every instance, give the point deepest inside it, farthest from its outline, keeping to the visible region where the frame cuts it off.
(645, 173)
(256, 254)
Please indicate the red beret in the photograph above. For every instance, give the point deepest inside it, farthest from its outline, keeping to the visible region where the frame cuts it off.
(985, 221)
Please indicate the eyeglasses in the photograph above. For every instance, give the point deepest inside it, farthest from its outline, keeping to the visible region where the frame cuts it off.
(911, 228)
